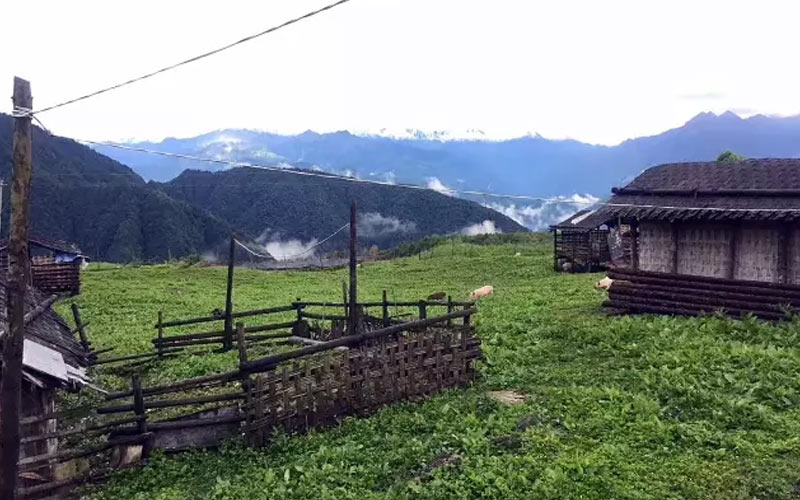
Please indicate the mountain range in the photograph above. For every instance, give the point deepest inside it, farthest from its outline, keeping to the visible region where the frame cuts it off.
(112, 214)
(530, 165)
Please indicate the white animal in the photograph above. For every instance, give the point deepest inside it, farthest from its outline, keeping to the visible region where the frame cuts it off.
(481, 292)
(604, 284)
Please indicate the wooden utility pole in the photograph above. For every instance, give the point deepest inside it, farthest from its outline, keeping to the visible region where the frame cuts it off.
(228, 343)
(17, 277)
(353, 323)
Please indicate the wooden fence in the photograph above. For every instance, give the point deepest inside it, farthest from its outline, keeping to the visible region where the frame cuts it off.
(669, 293)
(223, 337)
(311, 386)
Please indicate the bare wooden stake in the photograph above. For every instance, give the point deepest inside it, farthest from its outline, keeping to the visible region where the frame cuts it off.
(18, 277)
(353, 324)
(385, 309)
(228, 342)
(80, 326)
(160, 344)
(139, 409)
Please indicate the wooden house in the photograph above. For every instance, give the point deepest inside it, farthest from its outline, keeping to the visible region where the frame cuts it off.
(710, 236)
(52, 360)
(581, 242)
(55, 265)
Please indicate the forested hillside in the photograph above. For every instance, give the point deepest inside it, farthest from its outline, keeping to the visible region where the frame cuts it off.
(103, 206)
(278, 205)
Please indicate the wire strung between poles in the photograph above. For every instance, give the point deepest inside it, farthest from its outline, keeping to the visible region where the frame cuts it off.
(192, 59)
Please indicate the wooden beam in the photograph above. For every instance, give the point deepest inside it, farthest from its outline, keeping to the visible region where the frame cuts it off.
(18, 278)
(352, 327)
(229, 297)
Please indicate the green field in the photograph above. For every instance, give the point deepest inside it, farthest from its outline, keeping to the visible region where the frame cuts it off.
(615, 407)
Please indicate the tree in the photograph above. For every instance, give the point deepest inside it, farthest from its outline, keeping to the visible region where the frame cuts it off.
(729, 156)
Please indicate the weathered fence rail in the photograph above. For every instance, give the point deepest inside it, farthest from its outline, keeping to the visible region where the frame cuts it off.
(224, 337)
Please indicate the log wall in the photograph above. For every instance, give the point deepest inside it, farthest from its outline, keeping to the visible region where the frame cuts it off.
(670, 293)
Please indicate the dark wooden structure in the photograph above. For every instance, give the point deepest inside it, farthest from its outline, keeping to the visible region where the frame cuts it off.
(313, 385)
(709, 226)
(580, 243)
(52, 360)
(55, 265)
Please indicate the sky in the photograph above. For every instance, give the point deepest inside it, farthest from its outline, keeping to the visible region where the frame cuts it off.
(599, 72)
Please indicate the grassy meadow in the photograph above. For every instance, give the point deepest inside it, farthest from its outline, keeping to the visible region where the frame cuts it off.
(615, 407)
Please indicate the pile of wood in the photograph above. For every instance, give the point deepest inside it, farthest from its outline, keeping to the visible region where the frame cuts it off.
(55, 278)
(669, 293)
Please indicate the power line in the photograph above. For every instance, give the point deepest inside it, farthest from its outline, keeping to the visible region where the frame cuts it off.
(187, 61)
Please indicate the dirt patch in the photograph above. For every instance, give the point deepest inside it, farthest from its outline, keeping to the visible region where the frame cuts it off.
(507, 397)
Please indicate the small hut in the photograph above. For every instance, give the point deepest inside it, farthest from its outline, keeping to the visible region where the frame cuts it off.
(709, 236)
(52, 360)
(581, 242)
(55, 265)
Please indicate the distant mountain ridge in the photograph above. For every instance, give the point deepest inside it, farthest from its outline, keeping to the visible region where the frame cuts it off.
(112, 214)
(529, 165)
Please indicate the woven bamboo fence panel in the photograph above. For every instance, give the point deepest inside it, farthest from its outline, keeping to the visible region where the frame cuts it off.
(705, 250)
(656, 246)
(322, 390)
(757, 254)
(793, 259)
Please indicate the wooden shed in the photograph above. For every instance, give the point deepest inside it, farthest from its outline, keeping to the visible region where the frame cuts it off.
(52, 360)
(55, 265)
(709, 236)
(581, 242)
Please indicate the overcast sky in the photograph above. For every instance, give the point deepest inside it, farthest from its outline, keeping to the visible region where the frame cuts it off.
(597, 71)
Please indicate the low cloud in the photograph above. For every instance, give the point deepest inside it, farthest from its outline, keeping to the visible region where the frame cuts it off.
(485, 227)
(291, 249)
(273, 243)
(437, 185)
(539, 217)
(372, 224)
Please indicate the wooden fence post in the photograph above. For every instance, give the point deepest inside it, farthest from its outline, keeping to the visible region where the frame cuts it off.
(18, 278)
(353, 326)
(344, 298)
(423, 311)
(385, 309)
(227, 342)
(139, 410)
(79, 325)
(246, 381)
(449, 310)
(160, 334)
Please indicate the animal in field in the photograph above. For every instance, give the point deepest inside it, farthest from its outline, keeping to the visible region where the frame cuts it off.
(218, 313)
(604, 284)
(437, 296)
(481, 292)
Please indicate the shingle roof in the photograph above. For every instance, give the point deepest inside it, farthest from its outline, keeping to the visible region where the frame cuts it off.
(757, 189)
(582, 220)
(49, 329)
(55, 245)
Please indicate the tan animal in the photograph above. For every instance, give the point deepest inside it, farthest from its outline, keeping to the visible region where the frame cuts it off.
(124, 455)
(481, 292)
(604, 284)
